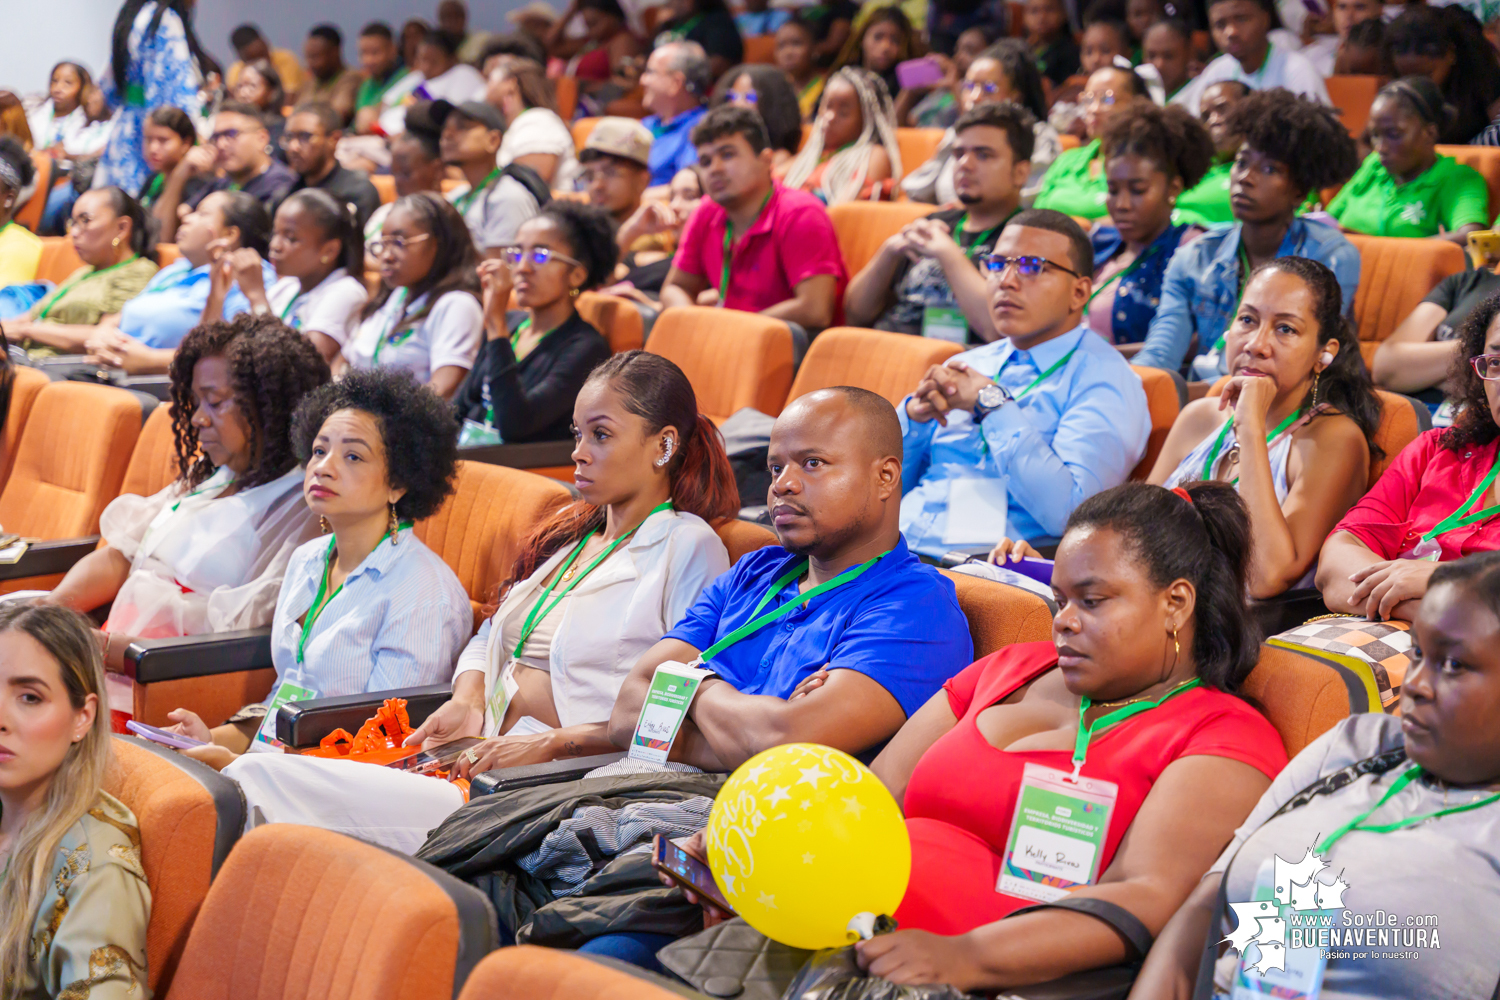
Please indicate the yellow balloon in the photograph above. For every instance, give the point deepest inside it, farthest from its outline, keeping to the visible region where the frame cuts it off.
(802, 838)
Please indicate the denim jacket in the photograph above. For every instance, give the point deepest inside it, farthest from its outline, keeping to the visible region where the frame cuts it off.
(1201, 289)
(1138, 292)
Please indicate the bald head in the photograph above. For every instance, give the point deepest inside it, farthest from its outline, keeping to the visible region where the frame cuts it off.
(835, 462)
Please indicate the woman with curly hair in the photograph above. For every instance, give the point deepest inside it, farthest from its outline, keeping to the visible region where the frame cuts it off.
(1290, 147)
(536, 358)
(426, 317)
(852, 151)
(370, 607)
(1437, 502)
(207, 553)
(596, 584)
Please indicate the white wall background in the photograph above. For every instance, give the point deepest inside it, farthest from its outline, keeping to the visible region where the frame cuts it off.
(39, 33)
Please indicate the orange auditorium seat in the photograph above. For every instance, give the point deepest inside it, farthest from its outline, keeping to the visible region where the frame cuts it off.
(567, 96)
(153, 463)
(385, 185)
(733, 359)
(1000, 614)
(29, 215)
(28, 384)
(744, 537)
(1352, 96)
(889, 364)
(582, 129)
(527, 972)
(917, 146)
(167, 253)
(58, 260)
(1486, 160)
(1394, 275)
(760, 49)
(1162, 400)
(1305, 697)
(862, 226)
(615, 317)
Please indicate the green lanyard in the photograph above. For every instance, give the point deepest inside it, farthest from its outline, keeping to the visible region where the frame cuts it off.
(521, 327)
(1213, 455)
(385, 336)
(978, 241)
(288, 307)
(1119, 276)
(1244, 282)
(463, 201)
(153, 190)
(201, 490)
(320, 602)
(1086, 732)
(755, 624)
(729, 246)
(539, 611)
(1044, 375)
(1410, 775)
(515, 340)
(682, 32)
(1458, 519)
(65, 289)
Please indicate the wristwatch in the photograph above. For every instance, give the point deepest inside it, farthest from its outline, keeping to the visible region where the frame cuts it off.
(990, 399)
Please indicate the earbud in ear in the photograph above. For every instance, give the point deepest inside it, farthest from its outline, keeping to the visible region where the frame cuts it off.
(1325, 359)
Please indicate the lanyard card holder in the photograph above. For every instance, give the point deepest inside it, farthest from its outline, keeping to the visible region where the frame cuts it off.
(476, 435)
(1057, 834)
(945, 323)
(286, 691)
(673, 687)
(1279, 970)
(505, 689)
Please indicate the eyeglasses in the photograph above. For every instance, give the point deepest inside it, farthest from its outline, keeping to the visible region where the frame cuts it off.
(538, 256)
(227, 135)
(399, 244)
(1104, 100)
(290, 139)
(996, 265)
(1487, 367)
(976, 87)
(742, 97)
(78, 222)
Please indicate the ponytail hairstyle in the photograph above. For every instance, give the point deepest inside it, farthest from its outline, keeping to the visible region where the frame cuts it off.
(1345, 385)
(244, 212)
(142, 226)
(336, 221)
(656, 390)
(845, 175)
(1205, 542)
(75, 785)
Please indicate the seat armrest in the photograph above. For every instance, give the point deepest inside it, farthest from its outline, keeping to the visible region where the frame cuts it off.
(525, 455)
(44, 558)
(553, 772)
(159, 386)
(180, 657)
(303, 724)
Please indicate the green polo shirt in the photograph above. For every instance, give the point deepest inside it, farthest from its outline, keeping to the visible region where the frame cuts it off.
(1207, 202)
(1444, 197)
(1068, 188)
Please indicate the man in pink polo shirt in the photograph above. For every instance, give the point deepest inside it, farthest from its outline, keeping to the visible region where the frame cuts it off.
(784, 261)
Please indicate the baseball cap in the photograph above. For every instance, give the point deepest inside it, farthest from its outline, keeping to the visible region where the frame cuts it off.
(626, 138)
(485, 114)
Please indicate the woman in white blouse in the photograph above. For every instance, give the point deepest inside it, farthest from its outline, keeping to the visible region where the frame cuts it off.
(207, 553)
(317, 249)
(426, 317)
(368, 607)
(535, 135)
(595, 586)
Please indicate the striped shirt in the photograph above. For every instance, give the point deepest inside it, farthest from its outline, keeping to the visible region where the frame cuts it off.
(400, 620)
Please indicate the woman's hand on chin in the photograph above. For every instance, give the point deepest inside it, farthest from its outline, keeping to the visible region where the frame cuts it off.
(914, 958)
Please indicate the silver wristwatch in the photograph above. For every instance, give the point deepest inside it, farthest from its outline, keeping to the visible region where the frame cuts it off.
(989, 399)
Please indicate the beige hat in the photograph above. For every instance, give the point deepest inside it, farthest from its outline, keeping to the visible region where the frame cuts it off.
(537, 10)
(626, 138)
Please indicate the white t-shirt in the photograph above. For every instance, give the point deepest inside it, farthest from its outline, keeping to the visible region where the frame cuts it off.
(461, 83)
(450, 334)
(1282, 68)
(495, 215)
(332, 308)
(1321, 52)
(537, 130)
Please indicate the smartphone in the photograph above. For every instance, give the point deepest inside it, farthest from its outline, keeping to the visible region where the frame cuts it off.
(1484, 248)
(687, 871)
(437, 759)
(174, 740)
(915, 73)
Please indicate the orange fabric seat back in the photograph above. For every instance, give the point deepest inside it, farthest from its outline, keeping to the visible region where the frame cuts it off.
(744, 537)
(153, 463)
(1301, 697)
(566, 90)
(917, 146)
(71, 460)
(167, 253)
(615, 317)
(1484, 159)
(527, 972)
(1394, 275)
(24, 390)
(760, 49)
(889, 364)
(29, 215)
(58, 260)
(302, 912)
(1000, 614)
(385, 186)
(181, 836)
(732, 359)
(1161, 400)
(1351, 97)
(862, 226)
(479, 531)
(582, 129)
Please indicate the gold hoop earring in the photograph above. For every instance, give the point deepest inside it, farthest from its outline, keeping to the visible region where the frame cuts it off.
(1176, 651)
(395, 527)
(323, 523)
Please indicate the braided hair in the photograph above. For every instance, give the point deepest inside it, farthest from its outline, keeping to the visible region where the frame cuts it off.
(845, 175)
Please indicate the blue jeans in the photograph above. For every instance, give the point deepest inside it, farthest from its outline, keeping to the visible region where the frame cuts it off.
(635, 947)
(59, 208)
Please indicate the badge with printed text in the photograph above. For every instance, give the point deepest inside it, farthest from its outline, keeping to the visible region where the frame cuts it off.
(1057, 834)
(285, 692)
(673, 687)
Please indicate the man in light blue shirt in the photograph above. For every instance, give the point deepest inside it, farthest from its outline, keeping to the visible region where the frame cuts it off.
(676, 83)
(1005, 440)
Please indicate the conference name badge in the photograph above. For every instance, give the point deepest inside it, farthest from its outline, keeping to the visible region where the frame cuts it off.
(478, 435)
(945, 323)
(1057, 834)
(673, 687)
(285, 692)
(500, 698)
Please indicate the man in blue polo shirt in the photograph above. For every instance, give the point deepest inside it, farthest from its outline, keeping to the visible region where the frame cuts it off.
(676, 83)
(888, 636)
